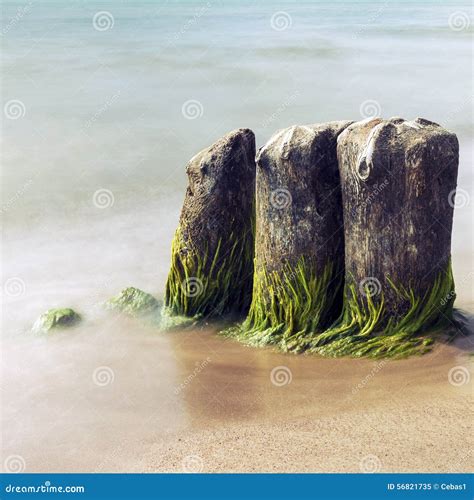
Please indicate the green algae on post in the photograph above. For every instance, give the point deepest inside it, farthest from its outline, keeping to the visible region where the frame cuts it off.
(55, 319)
(299, 253)
(198, 288)
(398, 178)
(288, 307)
(365, 331)
(212, 250)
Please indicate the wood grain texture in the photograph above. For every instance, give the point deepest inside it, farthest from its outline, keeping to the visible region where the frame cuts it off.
(398, 179)
(214, 242)
(299, 253)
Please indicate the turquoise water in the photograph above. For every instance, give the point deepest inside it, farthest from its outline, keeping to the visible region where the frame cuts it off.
(105, 105)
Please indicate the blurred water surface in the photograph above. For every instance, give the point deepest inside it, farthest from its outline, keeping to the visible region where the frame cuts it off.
(115, 97)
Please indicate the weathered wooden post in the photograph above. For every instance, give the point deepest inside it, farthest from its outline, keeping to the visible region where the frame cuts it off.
(398, 178)
(212, 251)
(299, 253)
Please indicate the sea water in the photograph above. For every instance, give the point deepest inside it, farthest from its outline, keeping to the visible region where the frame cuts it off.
(115, 98)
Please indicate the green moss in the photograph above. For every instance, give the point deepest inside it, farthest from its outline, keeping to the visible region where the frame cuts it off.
(133, 302)
(290, 318)
(201, 284)
(56, 318)
(170, 321)
(289, 305)
(364, 330)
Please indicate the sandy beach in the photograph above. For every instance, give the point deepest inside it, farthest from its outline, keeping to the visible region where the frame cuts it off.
(102, 399)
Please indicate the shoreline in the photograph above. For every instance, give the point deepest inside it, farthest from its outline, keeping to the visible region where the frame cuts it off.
(192, 401)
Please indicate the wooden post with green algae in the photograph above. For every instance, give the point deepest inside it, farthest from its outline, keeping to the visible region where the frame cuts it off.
(212, 251)
(398, 179)
(299, 253)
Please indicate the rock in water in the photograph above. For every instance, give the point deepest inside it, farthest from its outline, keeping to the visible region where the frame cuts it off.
(299, 252)
(56, 319)
(133, 302)
(398, 179)
(212, 251)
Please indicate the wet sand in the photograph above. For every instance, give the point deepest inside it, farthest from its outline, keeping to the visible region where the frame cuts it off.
(116, 396)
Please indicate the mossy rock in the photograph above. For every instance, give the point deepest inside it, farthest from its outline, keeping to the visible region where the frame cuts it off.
(134, 302)
(56, 318)
(170, 321)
